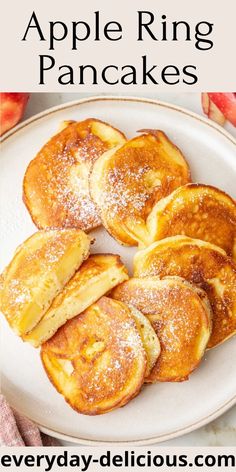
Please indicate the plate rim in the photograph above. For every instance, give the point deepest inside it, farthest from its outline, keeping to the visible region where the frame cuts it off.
(122, 98)
(150, 101)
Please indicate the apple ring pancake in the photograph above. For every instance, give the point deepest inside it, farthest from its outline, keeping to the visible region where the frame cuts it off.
(198, 211)
(128, 181)
(55, 188)
(40, 268)
(203, 264)
(181, 316)
(96, 276)
(97, 360)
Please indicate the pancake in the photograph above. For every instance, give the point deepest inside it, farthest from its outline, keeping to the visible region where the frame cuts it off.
(198, 211)
(181, 317)
(97, 275)
(203, 264)
(127, 182)
(40, 268)
(97, 360)
(55, 188)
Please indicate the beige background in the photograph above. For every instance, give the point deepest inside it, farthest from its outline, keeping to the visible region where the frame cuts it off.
(20, 63)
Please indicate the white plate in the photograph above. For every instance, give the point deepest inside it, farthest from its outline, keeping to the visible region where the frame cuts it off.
(161, 411)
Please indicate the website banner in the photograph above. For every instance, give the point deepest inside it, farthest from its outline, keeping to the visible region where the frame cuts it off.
(97, 459)
(143, 46)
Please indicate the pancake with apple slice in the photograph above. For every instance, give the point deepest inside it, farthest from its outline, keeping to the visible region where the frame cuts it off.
(95, 277)
(198, 211)
(56, 188)
(127, 182)
(203, 264)
(97, 360)
(181, 316)
(39, 270)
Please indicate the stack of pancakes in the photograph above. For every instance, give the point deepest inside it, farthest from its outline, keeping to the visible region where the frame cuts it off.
(103, 334)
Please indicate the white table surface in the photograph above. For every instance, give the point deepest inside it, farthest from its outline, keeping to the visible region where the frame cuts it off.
(221, 432)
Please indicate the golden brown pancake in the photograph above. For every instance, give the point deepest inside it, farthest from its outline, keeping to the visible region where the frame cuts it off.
(40, 268)
(127, 182)
(55, 189)
(198, 211)
(97, 360)
(203, 264)
(181, 316)
(97, 275)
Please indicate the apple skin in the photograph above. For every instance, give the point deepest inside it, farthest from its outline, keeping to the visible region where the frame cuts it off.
(12, 106)
(220, 107)
(211, 110)
(226, 102)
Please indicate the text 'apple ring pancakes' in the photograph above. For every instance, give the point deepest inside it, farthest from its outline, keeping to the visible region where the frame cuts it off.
(55, 188)
(203, 264)
(127, 182)
(97, 275)
(181, 316)
(198, 211)
(40, 268)
(97, 360)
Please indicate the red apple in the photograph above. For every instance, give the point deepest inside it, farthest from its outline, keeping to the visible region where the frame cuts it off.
(211, 110)
(12, 106)
(215, 114)
(220, 106)
(226, 102)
